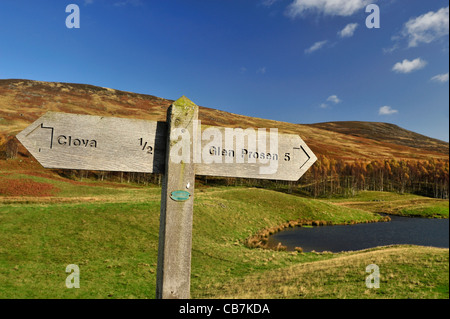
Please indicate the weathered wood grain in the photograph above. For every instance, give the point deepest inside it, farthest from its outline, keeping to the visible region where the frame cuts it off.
(270, 156)
(72, 141)
(175, 231)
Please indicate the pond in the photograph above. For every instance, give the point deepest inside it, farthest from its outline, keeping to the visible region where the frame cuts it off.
(400, 230)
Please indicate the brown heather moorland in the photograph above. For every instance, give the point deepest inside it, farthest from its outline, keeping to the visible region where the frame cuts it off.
(24, 101)
(352, 156)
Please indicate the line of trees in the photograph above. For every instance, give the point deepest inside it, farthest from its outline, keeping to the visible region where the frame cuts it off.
(336, 177)
(327, 177)
(330, 177)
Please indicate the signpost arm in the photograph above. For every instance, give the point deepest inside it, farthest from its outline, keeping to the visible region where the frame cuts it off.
(177, 203)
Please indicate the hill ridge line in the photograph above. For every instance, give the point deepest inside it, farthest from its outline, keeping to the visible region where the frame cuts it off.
(23, 101)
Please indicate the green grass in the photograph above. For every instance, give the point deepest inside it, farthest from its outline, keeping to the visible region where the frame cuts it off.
(87, 189)
(397, 204)
(434, 211)
(115, 246)
(405, 272)
(111, 242)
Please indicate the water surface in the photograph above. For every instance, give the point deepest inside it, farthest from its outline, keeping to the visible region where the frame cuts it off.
(400, 230)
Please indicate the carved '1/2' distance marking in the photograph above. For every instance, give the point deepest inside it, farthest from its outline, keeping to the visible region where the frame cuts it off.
(146, 147)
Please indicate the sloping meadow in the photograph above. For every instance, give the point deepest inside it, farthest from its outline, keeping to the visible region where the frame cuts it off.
(115, 244)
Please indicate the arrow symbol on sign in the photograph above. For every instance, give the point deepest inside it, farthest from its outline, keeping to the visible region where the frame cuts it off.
(307, 155)
(44, 127)
(41, 126)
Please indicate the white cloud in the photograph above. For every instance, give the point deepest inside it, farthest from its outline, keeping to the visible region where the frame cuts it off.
(427, 27)
(391, 49)
(327, 7)
(348, 30)
(262, 70)
(386, 110)
(334, 99)
(316, 46)
(268, 3)
(407, 66)
(440, 78)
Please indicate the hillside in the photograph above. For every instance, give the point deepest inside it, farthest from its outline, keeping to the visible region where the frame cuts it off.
(23, 101)
(385, 132)
(112, 234)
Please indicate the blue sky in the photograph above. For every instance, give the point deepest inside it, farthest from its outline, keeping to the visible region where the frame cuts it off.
(298, 61)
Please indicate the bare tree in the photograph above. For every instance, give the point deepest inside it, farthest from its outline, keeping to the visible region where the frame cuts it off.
(12, 148)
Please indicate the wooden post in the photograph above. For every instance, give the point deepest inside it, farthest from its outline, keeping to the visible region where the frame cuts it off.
(177, 204)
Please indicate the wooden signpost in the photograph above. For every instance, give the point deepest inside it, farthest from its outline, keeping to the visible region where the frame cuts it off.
(73, 141)
(177, 148)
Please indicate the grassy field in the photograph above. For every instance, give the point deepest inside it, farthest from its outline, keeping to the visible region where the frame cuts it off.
(405, 272)
(397, 204)
(111, 232)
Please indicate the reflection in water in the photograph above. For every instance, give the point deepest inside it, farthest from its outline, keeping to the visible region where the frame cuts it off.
(400, 230)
